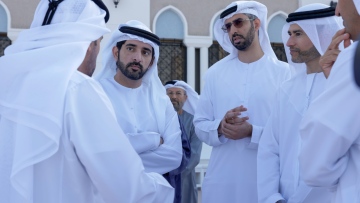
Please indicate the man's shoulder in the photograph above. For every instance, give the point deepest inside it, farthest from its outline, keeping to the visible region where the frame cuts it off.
(187, 114)
(219, 65)
(79, 79)
(276, 63)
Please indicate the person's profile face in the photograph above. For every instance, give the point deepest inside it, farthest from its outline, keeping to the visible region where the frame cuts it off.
(346, 9)
(301, 48)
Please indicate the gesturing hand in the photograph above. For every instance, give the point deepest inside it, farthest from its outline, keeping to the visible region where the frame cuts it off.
(328, 59)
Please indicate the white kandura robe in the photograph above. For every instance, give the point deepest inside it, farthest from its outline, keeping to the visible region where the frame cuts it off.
(94, 159)
(330, 133)
(231, 173)
(279, 147)
(135, 115)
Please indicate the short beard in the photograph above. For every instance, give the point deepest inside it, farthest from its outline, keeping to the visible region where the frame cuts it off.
(248, 39)
(125, 70)
(178, 106)
(305, 56)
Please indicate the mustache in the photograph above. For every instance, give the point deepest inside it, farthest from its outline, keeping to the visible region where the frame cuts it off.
(238, 35)
(134, 64)
(294, 49)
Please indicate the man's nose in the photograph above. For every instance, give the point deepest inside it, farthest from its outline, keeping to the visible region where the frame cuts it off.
(137, 56)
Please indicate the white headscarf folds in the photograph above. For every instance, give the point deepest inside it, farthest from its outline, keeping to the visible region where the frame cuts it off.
(357, 5)
(34, 76)
(192, 96)
(319, 30)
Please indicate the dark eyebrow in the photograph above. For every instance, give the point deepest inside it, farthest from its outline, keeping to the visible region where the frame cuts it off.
(147, 49)
(295, 31)
(131, 45)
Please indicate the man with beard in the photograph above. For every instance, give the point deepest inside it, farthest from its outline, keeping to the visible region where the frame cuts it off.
(184, 100)
(307, 35)
(236, 102)
(143, 110)
(330, 130)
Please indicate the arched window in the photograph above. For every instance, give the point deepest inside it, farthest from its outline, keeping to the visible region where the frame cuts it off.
(275, 26)
(169, 26)
(4, 40)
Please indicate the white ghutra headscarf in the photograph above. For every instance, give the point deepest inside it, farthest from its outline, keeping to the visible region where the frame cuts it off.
(319, 30)
(357, 5)
(34, 76)
(192, 96)
(151, 78)
(249, 7)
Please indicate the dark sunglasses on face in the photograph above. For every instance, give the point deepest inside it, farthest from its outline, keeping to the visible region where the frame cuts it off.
(238, 23)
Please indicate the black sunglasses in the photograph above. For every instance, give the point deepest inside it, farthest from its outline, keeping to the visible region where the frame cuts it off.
(238, 23)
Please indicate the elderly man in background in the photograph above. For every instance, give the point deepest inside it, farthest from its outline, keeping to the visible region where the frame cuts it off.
(184, 99)
(54, 147)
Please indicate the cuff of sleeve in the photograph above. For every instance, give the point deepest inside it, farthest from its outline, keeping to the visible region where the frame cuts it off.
(255, 136)
(218, 140)
(275, 198)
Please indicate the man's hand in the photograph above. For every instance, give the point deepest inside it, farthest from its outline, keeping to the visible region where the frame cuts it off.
(161, 141)
(328, 59)
(234, 127)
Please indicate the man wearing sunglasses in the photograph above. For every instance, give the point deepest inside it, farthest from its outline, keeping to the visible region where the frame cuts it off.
(307, 36)
(236, 102)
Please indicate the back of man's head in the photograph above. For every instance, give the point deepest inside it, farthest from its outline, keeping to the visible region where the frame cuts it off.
(66, 11)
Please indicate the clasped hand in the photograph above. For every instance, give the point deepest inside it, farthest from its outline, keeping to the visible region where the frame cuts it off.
(234, 126)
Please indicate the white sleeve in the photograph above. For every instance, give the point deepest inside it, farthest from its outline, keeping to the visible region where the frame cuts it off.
(255, 136)
(328, 130)
(143, 142)
(109, 159)
(268, 161)
(205, 123)
(167, 156)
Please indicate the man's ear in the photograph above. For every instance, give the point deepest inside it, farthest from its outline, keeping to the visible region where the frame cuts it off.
(257, 24)
(115, 52)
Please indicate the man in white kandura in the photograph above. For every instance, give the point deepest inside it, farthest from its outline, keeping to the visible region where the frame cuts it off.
(330, 130)
(245, 80)
(307, 34)
(59, 139)
(143, 110)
